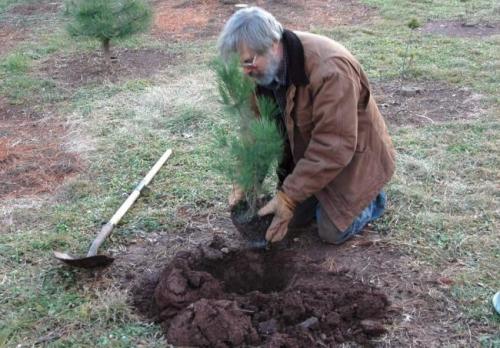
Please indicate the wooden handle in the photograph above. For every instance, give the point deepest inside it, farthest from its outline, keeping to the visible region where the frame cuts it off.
(108, 228)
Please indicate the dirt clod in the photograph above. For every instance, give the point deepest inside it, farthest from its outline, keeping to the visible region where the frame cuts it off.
(271, 298)
(216, 323)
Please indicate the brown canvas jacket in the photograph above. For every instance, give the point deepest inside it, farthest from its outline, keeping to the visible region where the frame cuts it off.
(341, 149)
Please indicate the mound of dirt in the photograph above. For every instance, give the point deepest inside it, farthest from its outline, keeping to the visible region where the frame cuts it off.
(272, 298)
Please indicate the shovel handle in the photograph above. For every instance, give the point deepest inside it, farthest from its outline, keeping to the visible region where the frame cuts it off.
(108, 228)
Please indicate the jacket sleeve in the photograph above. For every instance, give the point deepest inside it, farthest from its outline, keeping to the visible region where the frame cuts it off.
(333, 135)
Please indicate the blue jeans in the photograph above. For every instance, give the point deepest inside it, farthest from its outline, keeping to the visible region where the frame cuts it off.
(331, 234)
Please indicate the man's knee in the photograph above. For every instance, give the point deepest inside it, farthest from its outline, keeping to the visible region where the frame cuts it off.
(327, 230)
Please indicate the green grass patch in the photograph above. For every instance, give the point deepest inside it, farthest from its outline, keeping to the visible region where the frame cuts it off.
(53, 303)
(385, 49)
(442, 209)
(477, 10)
(23, 88)
(15, 63)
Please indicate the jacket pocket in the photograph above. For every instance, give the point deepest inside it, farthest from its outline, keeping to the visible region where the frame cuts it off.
(363, 139)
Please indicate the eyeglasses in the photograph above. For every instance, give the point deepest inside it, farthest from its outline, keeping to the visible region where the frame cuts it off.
(249, 65)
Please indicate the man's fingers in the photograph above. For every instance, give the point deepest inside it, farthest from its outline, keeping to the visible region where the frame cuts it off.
(277, 231)
(272, 229)
(233, 200)
(279, 234)
(235, 197)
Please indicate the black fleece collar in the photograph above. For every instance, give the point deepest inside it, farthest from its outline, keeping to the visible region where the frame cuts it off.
(295, 51)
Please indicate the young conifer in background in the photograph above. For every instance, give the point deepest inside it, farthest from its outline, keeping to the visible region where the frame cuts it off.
(247, 154)
(108, 20)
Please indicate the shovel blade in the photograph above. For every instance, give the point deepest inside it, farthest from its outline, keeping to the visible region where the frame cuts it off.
(84, 262)
(260, 244)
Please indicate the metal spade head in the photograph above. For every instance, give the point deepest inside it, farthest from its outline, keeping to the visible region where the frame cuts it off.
(260, 244)
(84, 262)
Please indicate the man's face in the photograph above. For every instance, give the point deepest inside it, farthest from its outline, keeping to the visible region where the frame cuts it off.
(261, 67)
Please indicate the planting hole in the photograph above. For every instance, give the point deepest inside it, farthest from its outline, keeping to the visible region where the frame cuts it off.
(244, 272)
(271, 298)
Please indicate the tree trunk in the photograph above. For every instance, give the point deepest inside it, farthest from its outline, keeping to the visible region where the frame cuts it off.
(107, 51)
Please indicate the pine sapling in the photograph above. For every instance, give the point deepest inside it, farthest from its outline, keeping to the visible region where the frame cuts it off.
(108, 20)
(247, 155)
(408, 56)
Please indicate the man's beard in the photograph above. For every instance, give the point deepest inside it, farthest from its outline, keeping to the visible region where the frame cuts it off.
(269, 74)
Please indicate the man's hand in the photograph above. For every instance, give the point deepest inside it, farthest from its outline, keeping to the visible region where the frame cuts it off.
(235, 196)
(282, 206)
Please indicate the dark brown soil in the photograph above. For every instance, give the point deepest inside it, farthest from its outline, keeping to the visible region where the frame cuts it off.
(83, 69)
(461, 29)
(271, 298)
(423, 103)
(251, 228)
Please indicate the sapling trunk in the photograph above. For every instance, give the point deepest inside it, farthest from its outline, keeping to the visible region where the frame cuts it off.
(107, 50)
(252, 199)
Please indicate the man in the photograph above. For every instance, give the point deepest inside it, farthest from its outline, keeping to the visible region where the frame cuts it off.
(338, 154)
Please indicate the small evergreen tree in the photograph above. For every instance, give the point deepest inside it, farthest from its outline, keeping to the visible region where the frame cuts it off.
(409, 56)
(106, 20)
(248, 154)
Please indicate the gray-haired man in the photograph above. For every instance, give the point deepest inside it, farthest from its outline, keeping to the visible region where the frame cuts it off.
(338, 154)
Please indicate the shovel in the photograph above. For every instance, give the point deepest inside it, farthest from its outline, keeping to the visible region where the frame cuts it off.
(92, 259)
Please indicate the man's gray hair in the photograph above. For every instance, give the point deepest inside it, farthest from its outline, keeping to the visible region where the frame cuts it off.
(252, 26)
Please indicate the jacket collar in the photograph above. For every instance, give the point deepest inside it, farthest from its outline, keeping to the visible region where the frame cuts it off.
(295, 69)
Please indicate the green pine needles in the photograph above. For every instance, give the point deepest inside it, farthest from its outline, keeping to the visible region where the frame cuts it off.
(108, 20)
(253, 144)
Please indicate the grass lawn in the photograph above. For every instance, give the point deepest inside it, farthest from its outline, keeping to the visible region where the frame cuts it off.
(444, 197)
